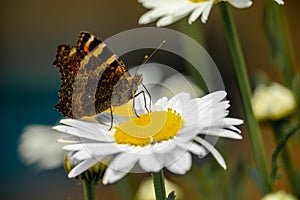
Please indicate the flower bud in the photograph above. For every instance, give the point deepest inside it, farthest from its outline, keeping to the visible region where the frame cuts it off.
(279, 195)
(273, 102)
(95, 173)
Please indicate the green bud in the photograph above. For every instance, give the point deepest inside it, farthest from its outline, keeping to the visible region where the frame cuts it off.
(94, 173)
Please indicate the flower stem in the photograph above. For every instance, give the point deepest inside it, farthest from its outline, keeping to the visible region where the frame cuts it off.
(276, 29)
(159, 185)
(244, 88)
(281, 140)
(89, 189)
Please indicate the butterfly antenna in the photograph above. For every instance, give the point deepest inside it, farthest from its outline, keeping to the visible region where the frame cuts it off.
(147, 58)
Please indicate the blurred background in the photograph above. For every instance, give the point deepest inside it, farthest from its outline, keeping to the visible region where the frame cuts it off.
(30, 32)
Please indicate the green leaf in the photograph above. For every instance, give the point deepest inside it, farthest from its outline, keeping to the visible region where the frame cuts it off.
(171, 196)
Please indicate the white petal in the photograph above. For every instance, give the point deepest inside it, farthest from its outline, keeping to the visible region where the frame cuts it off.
(215, 97)
(162, 147)
(119, 167)
(98, 149)
(81, 155)
(196, 13)
(160, 104)
(222, 133)
(165, 21)
(280, 2)
(112, 175)
(150, 164)
(206, 11)
(81, 167)
(70, 140)
(192, 147)
(124, 162)
(233, 121)
(153, 15)
(187, 133)
(104, 120)
(98, 136)
(182, 164)
(241, 3)
(84, 125)
(158, 3)
(213, 151)
(178, 102)
(92, 127)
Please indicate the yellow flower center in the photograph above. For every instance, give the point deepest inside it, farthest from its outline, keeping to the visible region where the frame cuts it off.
(152, 127)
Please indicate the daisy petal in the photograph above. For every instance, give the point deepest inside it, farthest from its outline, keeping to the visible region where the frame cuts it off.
(81, 167)
(181, 164)
(160, 104)
(193, 147)
(81, 155)
(178, 102)
(165, 21)
(206, 11)
(98, 136)
(222, 133)
(213, 151)
(93, 127)
(233, 121)
(215, 97)
(196, 13)
(119, 167)
(150, 164)
(124, 162)
(151, 16)
(240, 3)
(97, 149)
(112, 175)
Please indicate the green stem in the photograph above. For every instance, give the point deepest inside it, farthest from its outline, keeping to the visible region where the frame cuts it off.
(244, 87)
(281, 141)
(89, 189)
(276, 28)
(159, 185)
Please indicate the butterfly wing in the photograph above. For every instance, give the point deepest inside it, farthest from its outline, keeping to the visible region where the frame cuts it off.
(90, 74)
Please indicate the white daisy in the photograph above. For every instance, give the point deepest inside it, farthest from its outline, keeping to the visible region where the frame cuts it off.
(38, 147)
(165, 137)
(170, 11)
(280, 2)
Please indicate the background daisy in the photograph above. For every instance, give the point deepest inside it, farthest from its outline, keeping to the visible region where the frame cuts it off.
(170, 11)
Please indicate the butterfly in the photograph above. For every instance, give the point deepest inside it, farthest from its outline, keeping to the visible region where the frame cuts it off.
(93, 78)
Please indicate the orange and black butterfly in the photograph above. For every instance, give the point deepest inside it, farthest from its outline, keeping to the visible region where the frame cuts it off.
(93, 78)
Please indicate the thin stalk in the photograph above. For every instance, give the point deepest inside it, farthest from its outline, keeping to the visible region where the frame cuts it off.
(159, 185)
(281, 140)
(244, 88)
(276, 28)
(89, 189)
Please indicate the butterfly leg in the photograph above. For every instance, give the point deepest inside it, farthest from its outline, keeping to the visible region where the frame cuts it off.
(150, 100)
(133, 104)
(112, 119)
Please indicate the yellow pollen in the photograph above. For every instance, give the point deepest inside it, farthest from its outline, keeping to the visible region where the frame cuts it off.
(149, 128)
